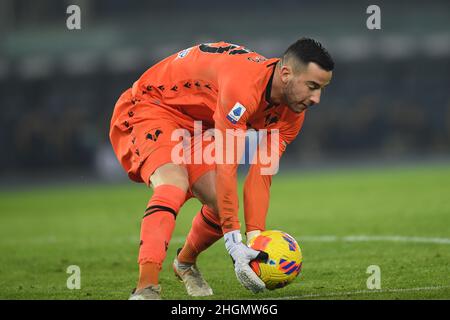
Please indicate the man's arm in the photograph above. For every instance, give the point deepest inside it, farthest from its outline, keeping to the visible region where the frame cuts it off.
(235, 105)
(232, 114)
(226, 178)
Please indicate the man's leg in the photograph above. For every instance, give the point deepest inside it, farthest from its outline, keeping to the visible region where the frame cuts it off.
(204, 232)
(205, 229)
(170, 183)
(142, 143)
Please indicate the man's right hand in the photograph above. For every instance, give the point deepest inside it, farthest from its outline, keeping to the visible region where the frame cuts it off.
(242, 255)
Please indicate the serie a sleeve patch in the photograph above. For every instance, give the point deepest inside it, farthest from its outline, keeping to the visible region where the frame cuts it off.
(236, 113)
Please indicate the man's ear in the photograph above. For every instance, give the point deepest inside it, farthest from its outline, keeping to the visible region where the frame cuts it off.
(286, 73)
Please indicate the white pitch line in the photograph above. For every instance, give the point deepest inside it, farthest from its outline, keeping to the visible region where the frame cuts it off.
(358, 238)
(51, 239)
(404, 239)
(341, 294)
(366, 238)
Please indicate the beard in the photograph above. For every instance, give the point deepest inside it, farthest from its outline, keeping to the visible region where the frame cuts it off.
(288, 94)
(290, 100)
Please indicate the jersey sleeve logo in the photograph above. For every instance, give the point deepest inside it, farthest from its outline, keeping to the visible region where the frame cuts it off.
(236, 113)
(183, 53)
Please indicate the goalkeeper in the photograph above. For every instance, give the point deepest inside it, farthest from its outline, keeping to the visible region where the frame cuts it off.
(229, 89)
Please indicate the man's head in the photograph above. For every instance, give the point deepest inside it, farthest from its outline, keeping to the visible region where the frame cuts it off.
(304, 70)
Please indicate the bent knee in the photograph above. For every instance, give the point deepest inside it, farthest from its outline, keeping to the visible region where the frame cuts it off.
(211, 203)
(172, 174)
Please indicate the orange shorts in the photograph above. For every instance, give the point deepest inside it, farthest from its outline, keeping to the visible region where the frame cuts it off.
(140, 135)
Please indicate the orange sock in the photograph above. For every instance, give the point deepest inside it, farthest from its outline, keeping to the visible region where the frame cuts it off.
(148, 275)
(156, 230)
(188, 254)
(204, 232)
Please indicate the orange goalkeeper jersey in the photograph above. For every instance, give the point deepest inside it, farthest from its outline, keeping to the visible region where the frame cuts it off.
(226, 86)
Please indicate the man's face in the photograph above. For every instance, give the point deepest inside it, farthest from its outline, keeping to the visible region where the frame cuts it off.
(303, 90)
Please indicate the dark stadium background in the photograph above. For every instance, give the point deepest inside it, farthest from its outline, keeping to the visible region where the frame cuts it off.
(389, 101)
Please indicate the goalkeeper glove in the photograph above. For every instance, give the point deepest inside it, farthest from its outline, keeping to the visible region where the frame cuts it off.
(242, 255)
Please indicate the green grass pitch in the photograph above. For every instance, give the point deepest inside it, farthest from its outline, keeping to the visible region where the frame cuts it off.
(402, 216)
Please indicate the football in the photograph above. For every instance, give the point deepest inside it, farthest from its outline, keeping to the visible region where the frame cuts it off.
(285, 258)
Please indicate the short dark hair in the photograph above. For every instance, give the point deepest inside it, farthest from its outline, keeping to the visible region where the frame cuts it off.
(307, 50)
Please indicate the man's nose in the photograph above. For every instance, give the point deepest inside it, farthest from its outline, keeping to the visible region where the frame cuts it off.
(315, 98)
